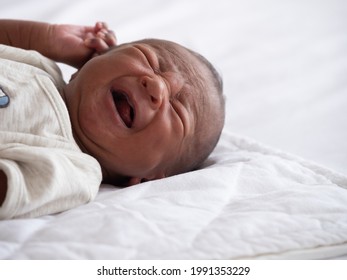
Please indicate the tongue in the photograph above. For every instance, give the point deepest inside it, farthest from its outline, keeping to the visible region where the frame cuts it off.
(124, 110)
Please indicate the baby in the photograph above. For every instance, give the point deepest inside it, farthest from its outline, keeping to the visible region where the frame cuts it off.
(132, 113)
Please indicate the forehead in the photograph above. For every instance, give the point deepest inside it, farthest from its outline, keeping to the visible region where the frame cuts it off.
(198, 79)
(176, 58)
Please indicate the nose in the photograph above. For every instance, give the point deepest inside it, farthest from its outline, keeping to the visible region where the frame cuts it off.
(155, 89)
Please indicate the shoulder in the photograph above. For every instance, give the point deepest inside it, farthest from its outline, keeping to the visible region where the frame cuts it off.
(33, 59)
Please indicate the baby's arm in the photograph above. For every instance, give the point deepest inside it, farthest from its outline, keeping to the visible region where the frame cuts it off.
(70, 44)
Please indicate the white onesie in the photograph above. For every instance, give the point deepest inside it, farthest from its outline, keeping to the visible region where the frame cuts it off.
(46, 171)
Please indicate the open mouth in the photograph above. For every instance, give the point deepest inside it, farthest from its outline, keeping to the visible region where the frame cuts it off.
(124, 108)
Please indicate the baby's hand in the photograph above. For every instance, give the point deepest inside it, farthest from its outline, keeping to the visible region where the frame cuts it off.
(101, 39)
(75, 44)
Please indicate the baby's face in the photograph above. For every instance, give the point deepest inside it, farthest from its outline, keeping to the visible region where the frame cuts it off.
(135, 107)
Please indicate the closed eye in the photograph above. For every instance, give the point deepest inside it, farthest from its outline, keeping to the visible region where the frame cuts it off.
(151, 59)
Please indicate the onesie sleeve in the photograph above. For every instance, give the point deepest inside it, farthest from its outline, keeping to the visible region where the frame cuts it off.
(44, 181)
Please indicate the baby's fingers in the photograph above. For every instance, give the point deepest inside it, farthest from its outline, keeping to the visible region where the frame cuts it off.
(98, 44)
(111, 38)
(99, 26)
(102, 31)
(108, 36)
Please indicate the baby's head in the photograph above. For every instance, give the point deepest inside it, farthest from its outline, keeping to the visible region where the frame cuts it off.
(146, 110)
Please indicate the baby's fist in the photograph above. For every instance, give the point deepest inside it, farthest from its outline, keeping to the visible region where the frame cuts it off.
(100, 39)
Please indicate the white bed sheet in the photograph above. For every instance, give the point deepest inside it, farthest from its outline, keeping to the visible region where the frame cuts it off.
(284, 65)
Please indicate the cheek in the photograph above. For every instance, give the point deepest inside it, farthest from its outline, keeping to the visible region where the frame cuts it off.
(160, 133)
(149, 148)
